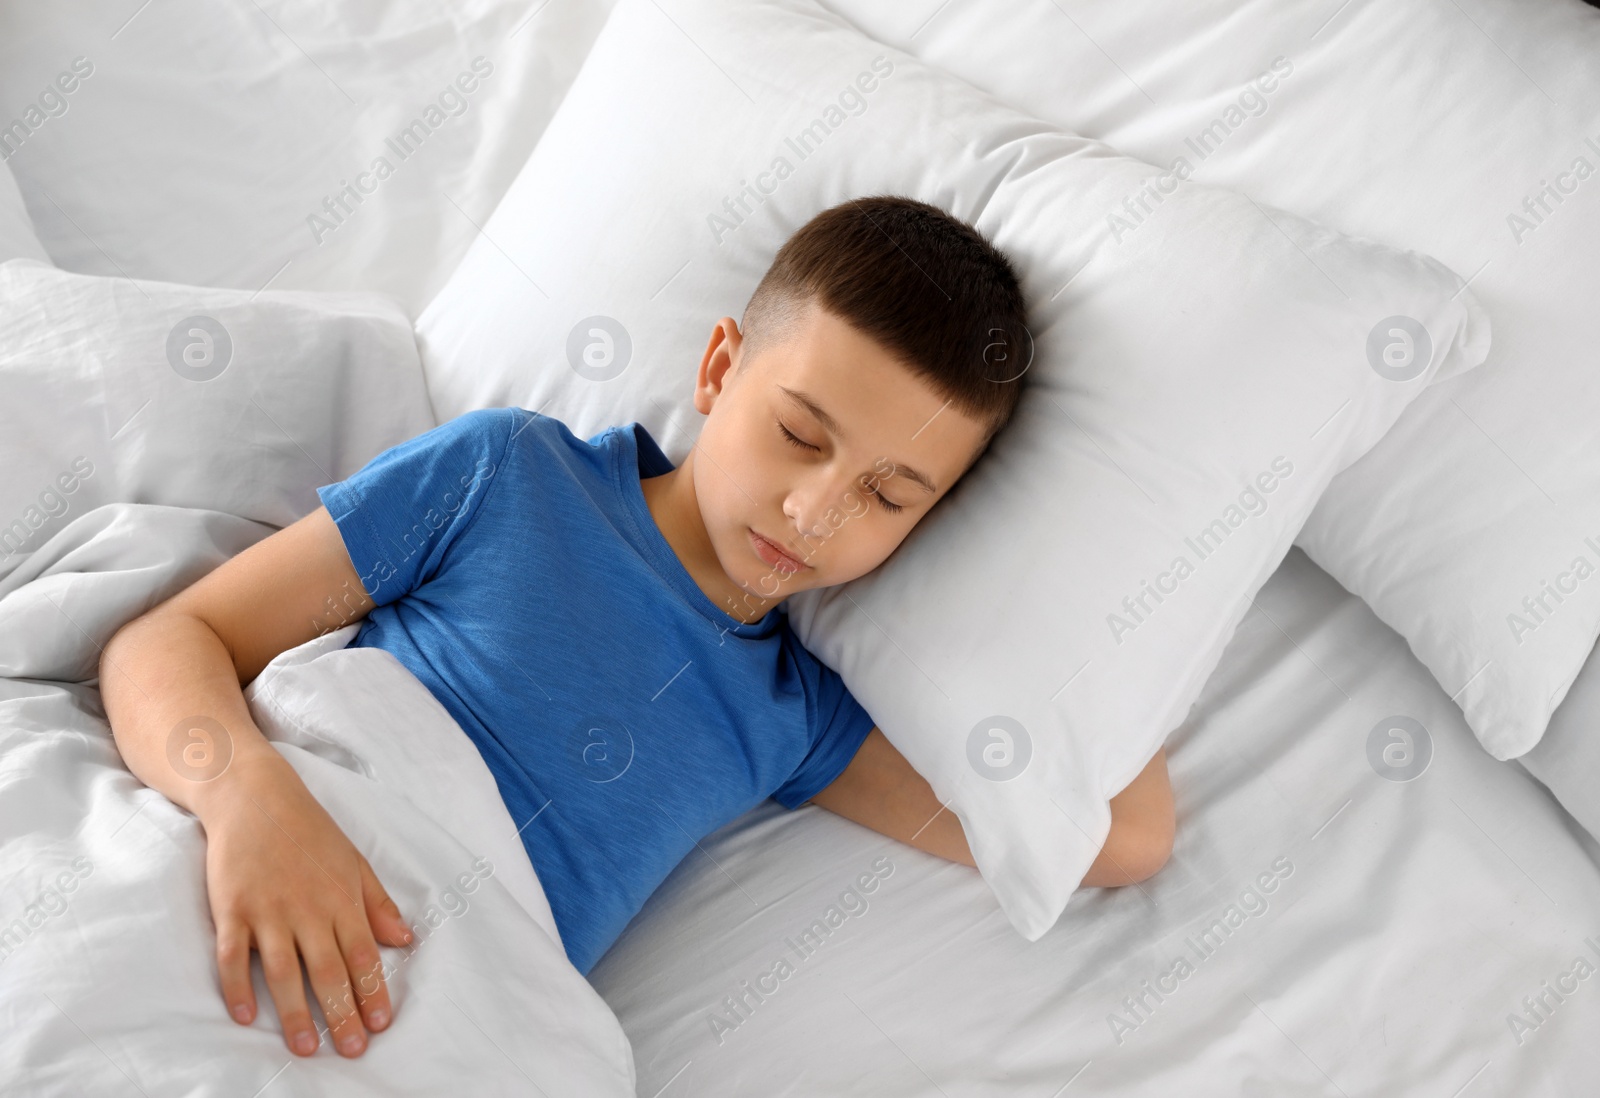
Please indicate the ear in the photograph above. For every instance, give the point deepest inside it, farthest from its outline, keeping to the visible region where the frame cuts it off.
(722, 355)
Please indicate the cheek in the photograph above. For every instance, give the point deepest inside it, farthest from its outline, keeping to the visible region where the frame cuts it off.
(866, 542)
(724, 448)
(733, 489)
(887, 540)
(715, 493)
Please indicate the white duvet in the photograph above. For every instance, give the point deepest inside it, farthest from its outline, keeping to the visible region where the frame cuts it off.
(108, 980)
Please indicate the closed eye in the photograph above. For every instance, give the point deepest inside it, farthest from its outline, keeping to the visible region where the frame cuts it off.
(788, 435)
(888, 504)
(892, 508)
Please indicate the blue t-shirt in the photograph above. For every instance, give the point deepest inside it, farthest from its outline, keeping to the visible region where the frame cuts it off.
(518, 573)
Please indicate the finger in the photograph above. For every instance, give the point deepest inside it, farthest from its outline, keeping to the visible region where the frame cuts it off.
(280, 963)
(388, 925)
(330, 979)
(365, 966)
(233, 967)
(384, 923)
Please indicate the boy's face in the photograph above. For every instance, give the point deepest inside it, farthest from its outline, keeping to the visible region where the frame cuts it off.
(843, 498)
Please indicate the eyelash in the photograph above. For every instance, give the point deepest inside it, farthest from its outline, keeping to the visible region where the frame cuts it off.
(892, 508)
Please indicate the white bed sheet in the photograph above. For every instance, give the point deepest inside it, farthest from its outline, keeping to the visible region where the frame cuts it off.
(1412, 921)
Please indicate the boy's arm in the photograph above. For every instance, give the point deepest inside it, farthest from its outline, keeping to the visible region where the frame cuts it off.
(280, 875)
(880, 790)
(193, 654)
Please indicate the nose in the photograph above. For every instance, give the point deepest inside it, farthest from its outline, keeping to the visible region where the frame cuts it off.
(809, 502)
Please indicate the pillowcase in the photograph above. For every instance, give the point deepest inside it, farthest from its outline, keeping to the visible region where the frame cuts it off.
(1198, 379)
(17, 238)
(119, 392)
(1473, 528)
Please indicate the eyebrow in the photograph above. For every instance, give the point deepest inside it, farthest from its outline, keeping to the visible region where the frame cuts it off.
(832, 426)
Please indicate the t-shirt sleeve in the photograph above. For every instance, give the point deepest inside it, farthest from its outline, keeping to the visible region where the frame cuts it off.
(839, 725)
(400, 514)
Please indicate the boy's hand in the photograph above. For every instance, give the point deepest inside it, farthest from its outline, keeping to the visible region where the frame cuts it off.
(281, 874)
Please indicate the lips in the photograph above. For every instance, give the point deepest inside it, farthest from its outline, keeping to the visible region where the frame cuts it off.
(774, 556)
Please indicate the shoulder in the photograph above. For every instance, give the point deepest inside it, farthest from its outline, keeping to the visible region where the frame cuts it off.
(497, 433)
(481, 429)
(491, 423)
(475, 441)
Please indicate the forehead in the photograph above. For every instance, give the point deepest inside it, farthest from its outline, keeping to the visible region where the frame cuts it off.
(871, 402)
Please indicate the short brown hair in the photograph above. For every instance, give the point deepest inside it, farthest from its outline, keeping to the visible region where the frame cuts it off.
(924, 284)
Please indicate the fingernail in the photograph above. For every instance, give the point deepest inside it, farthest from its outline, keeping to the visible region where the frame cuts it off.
(242, 1013)
(380, 1018)
(305, 1044)
(351, 1044)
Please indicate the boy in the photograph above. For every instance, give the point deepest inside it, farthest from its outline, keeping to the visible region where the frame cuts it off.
(608, 629)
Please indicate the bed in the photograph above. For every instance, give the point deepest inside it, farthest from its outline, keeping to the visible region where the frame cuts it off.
(1338, 918)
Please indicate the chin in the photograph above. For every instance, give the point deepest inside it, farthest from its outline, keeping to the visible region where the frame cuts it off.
(761, 581)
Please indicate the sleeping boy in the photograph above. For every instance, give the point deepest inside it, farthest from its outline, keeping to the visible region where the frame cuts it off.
(609, 630)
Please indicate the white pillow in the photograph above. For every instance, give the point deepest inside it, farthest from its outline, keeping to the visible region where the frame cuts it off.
(116, 392)
(1212, 362)
(17, 238)
(1458, 135)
